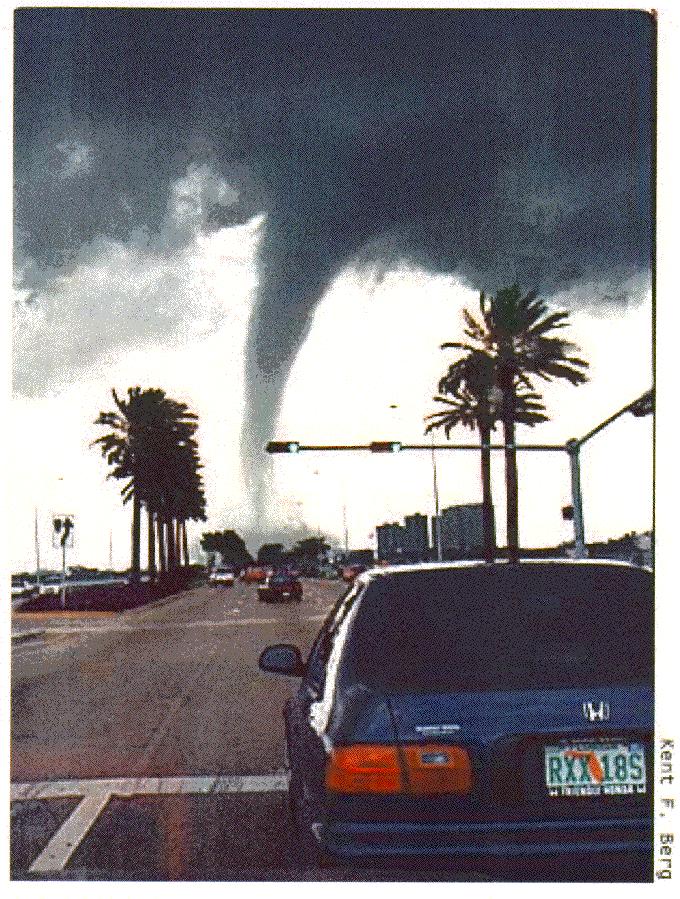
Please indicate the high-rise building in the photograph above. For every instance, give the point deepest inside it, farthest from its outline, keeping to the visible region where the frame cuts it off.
(462, 532)
(390, 542)
(416, 543)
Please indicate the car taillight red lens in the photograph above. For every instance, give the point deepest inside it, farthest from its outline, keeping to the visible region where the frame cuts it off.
(417, 770)
(364, 769)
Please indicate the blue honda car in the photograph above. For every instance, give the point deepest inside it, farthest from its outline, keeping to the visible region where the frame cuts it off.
(480, 711)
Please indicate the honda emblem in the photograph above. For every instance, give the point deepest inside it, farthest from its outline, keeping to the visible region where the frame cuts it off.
(596, 711)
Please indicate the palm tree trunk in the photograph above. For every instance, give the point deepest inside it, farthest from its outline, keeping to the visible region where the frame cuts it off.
(151, 534)
(170, 531)
(185, 544)
(178, 542)
(162, 556)
(511, 481)
(487, 498)
(136, 538)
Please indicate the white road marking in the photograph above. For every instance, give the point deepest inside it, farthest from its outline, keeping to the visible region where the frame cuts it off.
(70, 835)
(97, 793)
(150, 786)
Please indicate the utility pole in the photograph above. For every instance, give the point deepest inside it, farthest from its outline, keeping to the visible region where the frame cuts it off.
(111, 550)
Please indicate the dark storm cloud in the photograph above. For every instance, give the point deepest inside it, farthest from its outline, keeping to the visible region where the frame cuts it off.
(496, 145)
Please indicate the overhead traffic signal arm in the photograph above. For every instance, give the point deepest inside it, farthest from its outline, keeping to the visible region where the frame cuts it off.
(283, 446)
(643, 405)
(385, 446)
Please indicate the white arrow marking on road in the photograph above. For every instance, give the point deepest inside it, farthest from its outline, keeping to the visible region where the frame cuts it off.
(96, 793)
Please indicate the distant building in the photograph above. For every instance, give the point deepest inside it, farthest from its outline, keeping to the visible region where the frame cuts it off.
(462, 532)
(416, 542)
(404, 543)
(390, 542)
(360, 557)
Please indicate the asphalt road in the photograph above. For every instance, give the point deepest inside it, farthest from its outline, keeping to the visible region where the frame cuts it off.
(148, 746)
(171, 691)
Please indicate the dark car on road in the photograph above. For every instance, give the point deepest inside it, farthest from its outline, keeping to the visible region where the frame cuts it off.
(484, 711)
(281, 587)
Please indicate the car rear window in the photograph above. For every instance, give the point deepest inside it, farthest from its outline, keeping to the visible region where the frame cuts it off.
(506, 627)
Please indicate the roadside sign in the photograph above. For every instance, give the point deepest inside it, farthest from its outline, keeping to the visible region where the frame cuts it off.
(63, 528)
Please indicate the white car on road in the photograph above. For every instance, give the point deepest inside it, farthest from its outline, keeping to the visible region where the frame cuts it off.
(222, 577)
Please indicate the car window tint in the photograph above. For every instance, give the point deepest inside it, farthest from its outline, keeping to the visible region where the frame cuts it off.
(507, 627)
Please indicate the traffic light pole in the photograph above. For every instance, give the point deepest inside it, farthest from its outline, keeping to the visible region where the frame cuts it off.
(643, 405)
(572, 447)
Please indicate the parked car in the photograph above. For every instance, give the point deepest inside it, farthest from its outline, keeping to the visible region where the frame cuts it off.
(222, 577)
(484, 711)
(20, 587)
(280, 588)
(50, 586)
(254, 575)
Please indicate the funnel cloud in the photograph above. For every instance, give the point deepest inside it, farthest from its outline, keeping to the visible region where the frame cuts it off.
(496, 145)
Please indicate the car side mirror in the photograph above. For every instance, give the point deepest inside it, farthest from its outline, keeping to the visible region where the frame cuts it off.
(282, 658)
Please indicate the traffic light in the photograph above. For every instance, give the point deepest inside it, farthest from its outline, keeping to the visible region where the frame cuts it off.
(386, 446)
(278, 446)
(643, 406)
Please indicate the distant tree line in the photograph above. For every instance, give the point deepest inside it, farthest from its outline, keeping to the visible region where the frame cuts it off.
(233, 551)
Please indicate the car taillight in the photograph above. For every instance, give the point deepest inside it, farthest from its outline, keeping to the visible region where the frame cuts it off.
(364, 769)
(417, 770)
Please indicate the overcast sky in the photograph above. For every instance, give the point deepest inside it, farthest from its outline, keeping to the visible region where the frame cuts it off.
(278, 216)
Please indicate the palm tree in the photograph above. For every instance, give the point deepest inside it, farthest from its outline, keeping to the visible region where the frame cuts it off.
(152, 447)
(471, 383)
(122, 449)
(516, 331)
(183, 495)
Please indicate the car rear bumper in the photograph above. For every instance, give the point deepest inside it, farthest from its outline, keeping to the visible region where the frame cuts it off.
(487, 839)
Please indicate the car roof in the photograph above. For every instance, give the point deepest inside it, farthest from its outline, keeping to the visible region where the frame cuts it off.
(415, 567)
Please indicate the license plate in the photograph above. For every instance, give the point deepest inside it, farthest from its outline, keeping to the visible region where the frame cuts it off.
(595, 769)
